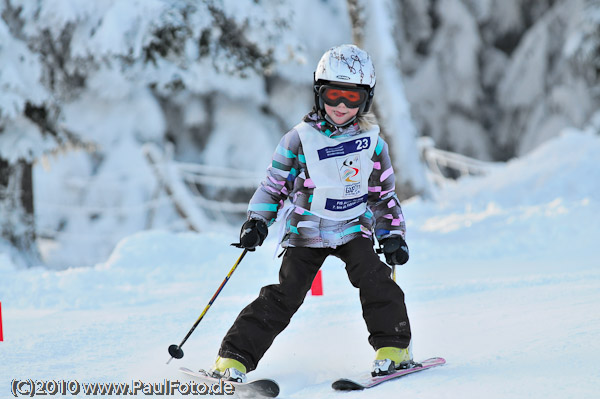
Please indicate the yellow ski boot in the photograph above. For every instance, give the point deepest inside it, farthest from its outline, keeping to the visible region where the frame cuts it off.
(229, 370)
(389, 359)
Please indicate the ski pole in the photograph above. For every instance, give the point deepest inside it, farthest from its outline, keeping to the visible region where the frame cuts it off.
(175, 350)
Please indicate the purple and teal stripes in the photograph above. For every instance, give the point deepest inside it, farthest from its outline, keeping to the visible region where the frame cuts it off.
(288, 178)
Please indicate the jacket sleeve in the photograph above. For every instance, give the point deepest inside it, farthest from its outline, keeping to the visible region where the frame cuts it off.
(382, 199)
(268, 199)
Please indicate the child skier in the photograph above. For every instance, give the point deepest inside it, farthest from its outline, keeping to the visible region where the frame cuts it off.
(337, 173)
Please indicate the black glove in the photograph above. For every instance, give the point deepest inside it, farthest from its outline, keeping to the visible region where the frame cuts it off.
(395, 250)
(253, 234)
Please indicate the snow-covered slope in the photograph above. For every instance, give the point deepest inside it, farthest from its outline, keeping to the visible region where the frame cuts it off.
(503, 282)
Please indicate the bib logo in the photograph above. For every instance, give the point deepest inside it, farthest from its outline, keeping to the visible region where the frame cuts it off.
(349, 168)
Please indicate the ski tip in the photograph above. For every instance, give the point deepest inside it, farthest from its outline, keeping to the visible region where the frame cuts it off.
(344, 384)
(266, 388)
(437, 360)
(432, 362)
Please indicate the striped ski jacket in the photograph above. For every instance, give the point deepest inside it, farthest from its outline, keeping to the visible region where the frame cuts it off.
(288, 179)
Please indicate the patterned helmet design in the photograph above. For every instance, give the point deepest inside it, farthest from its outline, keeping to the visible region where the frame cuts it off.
(346, 64)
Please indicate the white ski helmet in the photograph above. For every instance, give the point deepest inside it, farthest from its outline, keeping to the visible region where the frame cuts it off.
(346, 63)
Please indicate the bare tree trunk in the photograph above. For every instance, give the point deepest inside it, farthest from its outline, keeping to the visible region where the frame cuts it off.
(17, 220)
(356, 11)
(372, 30)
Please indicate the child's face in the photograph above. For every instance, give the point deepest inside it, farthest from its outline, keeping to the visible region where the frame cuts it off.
(340, 114)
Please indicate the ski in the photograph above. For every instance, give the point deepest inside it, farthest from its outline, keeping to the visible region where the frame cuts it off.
(366, 381)
(262, 388)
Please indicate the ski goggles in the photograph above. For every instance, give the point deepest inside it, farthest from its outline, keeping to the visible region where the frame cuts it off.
(352, 97)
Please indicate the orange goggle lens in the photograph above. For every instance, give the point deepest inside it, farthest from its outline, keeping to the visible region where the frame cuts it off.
(333, 96)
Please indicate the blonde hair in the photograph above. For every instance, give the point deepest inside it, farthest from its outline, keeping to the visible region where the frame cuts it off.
(366, 120)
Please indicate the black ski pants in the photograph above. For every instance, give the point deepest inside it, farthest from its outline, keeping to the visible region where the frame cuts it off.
(262, 320)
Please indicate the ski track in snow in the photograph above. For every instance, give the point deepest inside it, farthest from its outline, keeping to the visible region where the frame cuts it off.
(505, 289)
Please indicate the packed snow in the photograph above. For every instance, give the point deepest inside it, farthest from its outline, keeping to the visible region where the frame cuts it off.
(503, 283)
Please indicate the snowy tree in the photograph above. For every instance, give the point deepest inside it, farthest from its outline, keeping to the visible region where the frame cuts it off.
(494, 79)
(446, 89)
(373, 29)
(25, 132)
(582, 50)
(540, 92)
(583, 44)
(95, 72)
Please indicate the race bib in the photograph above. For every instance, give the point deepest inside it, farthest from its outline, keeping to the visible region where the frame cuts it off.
(340, 169)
